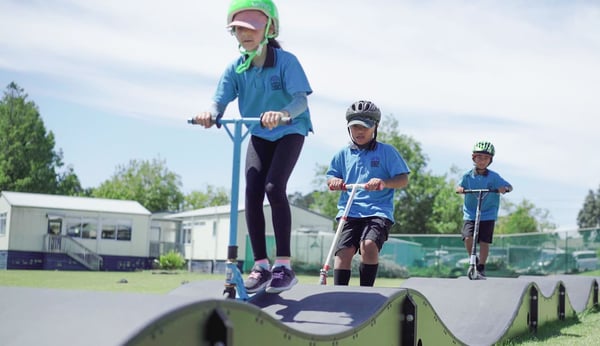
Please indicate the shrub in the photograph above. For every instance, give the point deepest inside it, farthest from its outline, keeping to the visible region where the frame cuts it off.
(171, 261)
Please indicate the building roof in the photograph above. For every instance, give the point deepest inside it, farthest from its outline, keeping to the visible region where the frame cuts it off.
(36, 200)
(216, 210)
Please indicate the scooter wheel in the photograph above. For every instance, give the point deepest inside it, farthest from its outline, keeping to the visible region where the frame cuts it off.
(471, 274)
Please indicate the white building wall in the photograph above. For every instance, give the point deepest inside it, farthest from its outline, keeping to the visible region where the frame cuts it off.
(210, 230)
(28, 226)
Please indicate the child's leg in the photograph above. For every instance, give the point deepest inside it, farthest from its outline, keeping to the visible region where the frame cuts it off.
(374, 235)
(486, 232)
(344, 252)
(369, 252)
(484, 250)
(342, 267)
(469, 245)
(467, 235)
(343, 258)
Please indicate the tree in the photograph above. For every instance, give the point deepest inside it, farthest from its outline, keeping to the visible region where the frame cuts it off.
(149, 183)
(321, 199)
(28, 161)
(428, 205)
(589, 215)
(211, 197)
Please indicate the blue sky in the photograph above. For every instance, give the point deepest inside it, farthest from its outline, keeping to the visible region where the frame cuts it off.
(116, 80)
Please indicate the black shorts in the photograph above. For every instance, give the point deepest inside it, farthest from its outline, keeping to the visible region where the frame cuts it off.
(486, 230)
(356, 230)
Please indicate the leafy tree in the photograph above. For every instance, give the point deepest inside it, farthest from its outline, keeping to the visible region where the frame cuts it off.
(321, 199)
(446, 214)
(428, 205)
(211, 197)
(149, 183)
(522, 218)
(589, 215)
(28, 161)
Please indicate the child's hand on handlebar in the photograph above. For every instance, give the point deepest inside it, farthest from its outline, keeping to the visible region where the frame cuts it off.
(504, 189)
(375, 184)
(271, 119)
(335, 184)
(460, 189)
(205, 119)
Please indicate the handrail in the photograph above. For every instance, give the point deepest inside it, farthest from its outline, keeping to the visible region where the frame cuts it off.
(75, 250)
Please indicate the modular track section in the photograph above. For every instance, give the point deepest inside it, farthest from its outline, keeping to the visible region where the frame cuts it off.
(424, 311)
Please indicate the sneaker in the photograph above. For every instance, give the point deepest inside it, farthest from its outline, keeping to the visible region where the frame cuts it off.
(481, 272)
(283, 280)
(258, 279)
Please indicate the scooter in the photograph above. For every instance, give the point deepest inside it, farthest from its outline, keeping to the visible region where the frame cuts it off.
(472, 273)
(324, 271)
(234, 283)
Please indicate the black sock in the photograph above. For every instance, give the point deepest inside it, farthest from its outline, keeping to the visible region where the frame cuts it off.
(481, 267)
(368, 273)
(341, 277)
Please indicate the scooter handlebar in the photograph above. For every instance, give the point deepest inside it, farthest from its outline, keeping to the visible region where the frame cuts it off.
(465, 191)
(218, 120)
(351, 186)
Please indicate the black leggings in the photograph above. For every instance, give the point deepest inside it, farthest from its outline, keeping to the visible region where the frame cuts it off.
(268, 169)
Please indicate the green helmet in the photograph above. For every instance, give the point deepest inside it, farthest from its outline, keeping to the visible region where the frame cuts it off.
(484, 147)
(265, 6)
(363, 109)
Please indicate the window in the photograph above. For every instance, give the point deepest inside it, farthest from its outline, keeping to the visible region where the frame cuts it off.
(2, 224)
(85, 228)
(116, 229)
(54, 226)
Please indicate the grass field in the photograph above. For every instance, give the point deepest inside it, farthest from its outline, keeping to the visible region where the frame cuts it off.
(581, 331)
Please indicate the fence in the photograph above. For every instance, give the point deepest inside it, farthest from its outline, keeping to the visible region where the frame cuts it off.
(445, 255)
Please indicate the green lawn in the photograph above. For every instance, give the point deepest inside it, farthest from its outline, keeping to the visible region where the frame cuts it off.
(581, 331)
(157, 282)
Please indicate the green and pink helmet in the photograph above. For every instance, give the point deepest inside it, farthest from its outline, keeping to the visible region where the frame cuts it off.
(265, 6)
(251, 20)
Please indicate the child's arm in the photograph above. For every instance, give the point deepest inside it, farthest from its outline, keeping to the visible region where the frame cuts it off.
(397, 182)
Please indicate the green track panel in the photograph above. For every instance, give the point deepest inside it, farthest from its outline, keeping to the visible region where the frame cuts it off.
(237, 323)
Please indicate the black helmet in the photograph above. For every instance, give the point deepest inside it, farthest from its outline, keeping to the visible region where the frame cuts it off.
(364, 113)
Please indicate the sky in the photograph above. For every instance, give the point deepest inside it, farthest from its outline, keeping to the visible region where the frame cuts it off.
(117, 80)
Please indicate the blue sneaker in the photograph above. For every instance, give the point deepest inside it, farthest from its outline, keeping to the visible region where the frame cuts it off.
(258, 279)
(283, 279)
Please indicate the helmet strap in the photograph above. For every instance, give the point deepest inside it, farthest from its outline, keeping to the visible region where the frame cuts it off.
(370, 145)
(252, 54)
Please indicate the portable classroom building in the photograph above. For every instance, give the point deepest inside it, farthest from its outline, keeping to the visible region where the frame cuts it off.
(205, 233)
(39, 231)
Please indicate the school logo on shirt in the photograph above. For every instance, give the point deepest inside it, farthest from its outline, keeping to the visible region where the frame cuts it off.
(375, 162)
(276, 83)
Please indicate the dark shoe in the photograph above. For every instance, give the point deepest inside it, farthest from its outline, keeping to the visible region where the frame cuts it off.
(258, 279)
(481, 272)
(283, 280)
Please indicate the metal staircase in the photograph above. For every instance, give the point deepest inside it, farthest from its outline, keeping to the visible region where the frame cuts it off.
(72, 248)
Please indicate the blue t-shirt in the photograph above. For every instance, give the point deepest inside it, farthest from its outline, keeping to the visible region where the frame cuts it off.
(491, 201)
(358, 166)
(267, 88)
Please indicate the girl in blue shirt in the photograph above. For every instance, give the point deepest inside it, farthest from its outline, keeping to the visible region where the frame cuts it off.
(269, 83)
